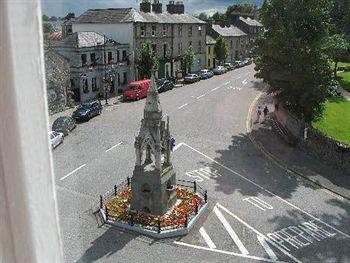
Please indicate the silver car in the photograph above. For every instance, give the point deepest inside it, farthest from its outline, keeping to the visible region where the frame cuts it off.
(56, 138)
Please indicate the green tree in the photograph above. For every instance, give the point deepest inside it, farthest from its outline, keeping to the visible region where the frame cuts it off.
(189, 58)
(336, 48)
(45, 18)
(245, 8)
(340, 11)
(289, 55)
(146, 61)
(219, 17)
(220, 49)
(203, 16)
(48, 28)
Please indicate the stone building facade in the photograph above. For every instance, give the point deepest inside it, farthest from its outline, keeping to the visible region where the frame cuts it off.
(57, 72)
(170, 32)
(237, 41)
(91, 56)
(247, 24)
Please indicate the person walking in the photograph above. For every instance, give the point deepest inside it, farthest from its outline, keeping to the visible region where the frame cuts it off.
(266, 111)
(258, 114)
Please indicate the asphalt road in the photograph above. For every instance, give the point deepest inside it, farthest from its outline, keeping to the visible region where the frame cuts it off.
(256, 212)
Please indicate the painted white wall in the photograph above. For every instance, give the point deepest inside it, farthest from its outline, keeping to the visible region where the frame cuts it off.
(122, 33)
(29, 229)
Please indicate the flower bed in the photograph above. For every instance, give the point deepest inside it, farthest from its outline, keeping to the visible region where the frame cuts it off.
(119, 209)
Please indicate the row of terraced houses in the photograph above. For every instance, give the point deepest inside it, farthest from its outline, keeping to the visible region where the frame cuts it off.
(100, 39)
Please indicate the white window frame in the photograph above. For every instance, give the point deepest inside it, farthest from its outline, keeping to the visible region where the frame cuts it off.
(29, 229)
(143, 31)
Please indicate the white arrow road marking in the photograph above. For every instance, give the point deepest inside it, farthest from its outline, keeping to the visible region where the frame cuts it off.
(182, 106)
(72, 172)
(113, 147)
(245, 82)
(231, 232)
(267, 248)
(207, 238)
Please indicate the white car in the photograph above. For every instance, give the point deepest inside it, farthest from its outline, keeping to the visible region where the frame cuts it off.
(56, 138)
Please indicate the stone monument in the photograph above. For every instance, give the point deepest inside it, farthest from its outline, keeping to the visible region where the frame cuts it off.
(154, 179)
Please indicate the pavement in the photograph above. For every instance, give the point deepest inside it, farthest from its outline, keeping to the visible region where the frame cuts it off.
(293, 159)
(254, 205)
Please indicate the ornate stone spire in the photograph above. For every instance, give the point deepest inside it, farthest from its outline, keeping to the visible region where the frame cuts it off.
(153, 182)
(150, 137)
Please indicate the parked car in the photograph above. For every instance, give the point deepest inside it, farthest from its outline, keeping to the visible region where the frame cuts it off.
(219, 70)
(205, 74)
(56, 138)
(239, 63)
(64, 124)
(191, 78)
(248, 61)
(229, 66)
(137, 90)
(165, 85)
(87, 110)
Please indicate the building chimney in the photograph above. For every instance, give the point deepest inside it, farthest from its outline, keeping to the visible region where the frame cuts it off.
(180, 7)
(170, 7)
(157, 6)
(145, 6)
(177, 7)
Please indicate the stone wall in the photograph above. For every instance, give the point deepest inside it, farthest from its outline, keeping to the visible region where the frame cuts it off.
(316, 143)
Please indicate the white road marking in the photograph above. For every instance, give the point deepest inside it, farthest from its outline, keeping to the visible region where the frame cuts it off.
(72, 172)
(264, 189)
(231, 232)
(261, 204)
(226, 83)
(230, 87)
(165, 115)
(178, 146)
(245, 82)
(207, 238)
(224, 252)
(113, 147)
(201, 96)
(215, 89)
(182, 106)
(267, 248)
(258, 233)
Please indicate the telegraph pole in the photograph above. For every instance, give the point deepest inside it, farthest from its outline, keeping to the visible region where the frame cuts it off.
(105, 68)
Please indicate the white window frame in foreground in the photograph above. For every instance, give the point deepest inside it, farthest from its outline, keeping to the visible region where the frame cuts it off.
(29, 228)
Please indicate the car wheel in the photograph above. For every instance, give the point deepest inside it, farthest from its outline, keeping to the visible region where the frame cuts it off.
(137, 98)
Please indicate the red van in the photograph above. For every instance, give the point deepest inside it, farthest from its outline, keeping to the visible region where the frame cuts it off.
(137, 90)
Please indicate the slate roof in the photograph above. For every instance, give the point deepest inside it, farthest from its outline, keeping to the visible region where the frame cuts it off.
(209, 40)
(250, 22)
(81, 40)
(132, 15)
(231, 31)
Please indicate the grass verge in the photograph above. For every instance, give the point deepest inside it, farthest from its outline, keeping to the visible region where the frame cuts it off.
(335, 122)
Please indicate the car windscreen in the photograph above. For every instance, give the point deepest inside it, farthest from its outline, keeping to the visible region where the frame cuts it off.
(134, 88)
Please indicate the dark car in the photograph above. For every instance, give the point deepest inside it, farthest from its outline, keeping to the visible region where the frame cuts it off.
(64, 124)
(87, 110)
(164, 85)
(191, 78)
